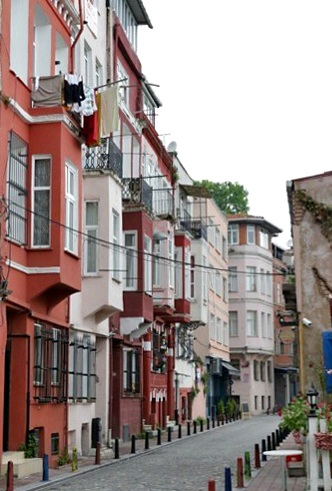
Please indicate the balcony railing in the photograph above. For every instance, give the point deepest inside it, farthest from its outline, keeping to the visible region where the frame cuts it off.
(163, 202)
(197, 228)
(137, 191)
(107, 156)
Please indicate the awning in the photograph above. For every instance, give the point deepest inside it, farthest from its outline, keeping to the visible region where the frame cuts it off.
(234, 372)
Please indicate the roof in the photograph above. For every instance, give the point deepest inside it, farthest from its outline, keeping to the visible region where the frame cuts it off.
(273, 229)
(196, 191)
(139, 12)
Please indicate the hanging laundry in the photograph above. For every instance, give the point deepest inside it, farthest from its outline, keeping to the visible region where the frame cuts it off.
(73, 92)
(89, 104)
(109, 111)
(47, 91)
(91, 130)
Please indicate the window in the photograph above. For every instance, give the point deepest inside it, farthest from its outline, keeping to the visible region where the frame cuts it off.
(224, 290)
(192, 277)
(171, 261)
(263, 402)
(233, 283)
(41, 206)
(131, 371)
(269, 371)
(82, 368)
(187, 273)
(218, 284)
(262, 369)
(116, 245)
(251, 323)
(91, 234)
(218, 240)
(130, 281)
(71, 208)
(225, 334)
(233, 323)
(147, 265)
(204, 279)
(250, 234)
(16, 189)
(124, 86)
(159, 351)
(250, 279)
(233, 234)
(256, 370)
(50, 363)
(269, 326)
(256, 403)
(263, 238)
(219, 331)
(212, 326)
(263, 325)
(263, 281)
(19, 43)
(88, 65)
(98, 73)
(54, 443)
(127, 20)
(224, 248)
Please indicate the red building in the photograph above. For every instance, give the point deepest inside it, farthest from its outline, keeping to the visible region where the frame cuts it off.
(40, 158)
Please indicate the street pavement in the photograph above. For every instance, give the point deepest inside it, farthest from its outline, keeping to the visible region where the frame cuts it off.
(187, 463)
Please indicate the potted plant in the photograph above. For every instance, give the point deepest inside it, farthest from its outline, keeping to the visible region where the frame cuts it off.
(220, 410)
(295, 418)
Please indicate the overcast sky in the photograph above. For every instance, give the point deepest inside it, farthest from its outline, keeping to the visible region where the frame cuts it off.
(246, 88)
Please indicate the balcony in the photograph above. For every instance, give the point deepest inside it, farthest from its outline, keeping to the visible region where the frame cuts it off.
(163, 203)
(137, 191)
(197, 228)
(107, 156)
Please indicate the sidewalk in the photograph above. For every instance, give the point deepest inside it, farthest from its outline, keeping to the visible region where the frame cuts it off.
(267, 478)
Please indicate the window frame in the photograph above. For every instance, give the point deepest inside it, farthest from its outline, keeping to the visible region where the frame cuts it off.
(89, 230)
(71, 207)
(39, 214)
(130, 250)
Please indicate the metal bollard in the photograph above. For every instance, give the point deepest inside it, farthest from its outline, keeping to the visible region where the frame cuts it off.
(169, 433)
(46, 475)
(201, 425)
(188, 428)
(213, 423)
(240, 480)
(228, 479)
(10, 476)
(269, 446)
(208, 423)
(247, 465)
(159, 437)
(257, 457)
(146, 440)
(116, 449)
(179, 431)
(212, 486)
(97, 457)
(264, 458)
(133, 444)
(273, 436)
(195, 426)
(277, 437)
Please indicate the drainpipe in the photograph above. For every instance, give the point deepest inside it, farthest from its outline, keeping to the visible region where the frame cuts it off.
(77, 37)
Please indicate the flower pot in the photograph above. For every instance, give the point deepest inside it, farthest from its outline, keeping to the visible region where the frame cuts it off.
(323, 441)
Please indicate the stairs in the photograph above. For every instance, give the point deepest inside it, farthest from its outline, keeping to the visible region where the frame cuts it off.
(22, 466)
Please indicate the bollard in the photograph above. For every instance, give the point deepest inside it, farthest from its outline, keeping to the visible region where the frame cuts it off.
(264, 458)
(46, 475)
(208, 423)
(269, 446)
(212, 486)
(169, 434)
(257, 457)
(97, 457)
(277, 437)
(201, 425)
(146, 440)
(247, 465)
(179, 431)
(213, 423)
(159, 437)
(195, 426)
(240, 480)
(10, 476)
(188, 428)
(273, 435)
(228, 479)
(133, 444)
(74, 460)
(116, 449)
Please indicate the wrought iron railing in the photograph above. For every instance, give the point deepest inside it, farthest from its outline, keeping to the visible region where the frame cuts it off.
(163, 202)
(197, 228)
(107, 156)
(137, 191)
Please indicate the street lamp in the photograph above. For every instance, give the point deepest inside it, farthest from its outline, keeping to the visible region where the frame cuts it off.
(312, 398)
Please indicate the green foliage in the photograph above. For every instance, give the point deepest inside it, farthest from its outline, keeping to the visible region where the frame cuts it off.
(230, 406)
(295, 415)
(194, 391)
(232, 198)
(31, 448)
(220, 408)
(64, 457)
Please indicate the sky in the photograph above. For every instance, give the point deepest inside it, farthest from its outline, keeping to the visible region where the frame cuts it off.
(246, 92)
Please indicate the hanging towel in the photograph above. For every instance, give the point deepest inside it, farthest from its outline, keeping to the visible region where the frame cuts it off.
(91, 130)
(47, 91)
(109, 111)
(89, 104)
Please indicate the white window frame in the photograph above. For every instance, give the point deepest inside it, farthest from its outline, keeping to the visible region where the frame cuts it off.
(71, 185)
(91, 243)
(250, 234)
(218, 240)
(251, 285)
(233, 233)
(39, 214)
(171, 260)
(147, 265)
(124, 90)
(116, 245)
(130, 279)
(233, 279)
(251, 323)
(233, 318)
(263, 239)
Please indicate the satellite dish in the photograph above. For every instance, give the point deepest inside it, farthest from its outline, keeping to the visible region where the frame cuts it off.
(289, 243)
(172, 147)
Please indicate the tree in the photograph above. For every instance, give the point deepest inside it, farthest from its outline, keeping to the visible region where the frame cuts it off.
(231, 197)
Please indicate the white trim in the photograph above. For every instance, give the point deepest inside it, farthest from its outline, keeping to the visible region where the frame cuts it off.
(35, 270)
